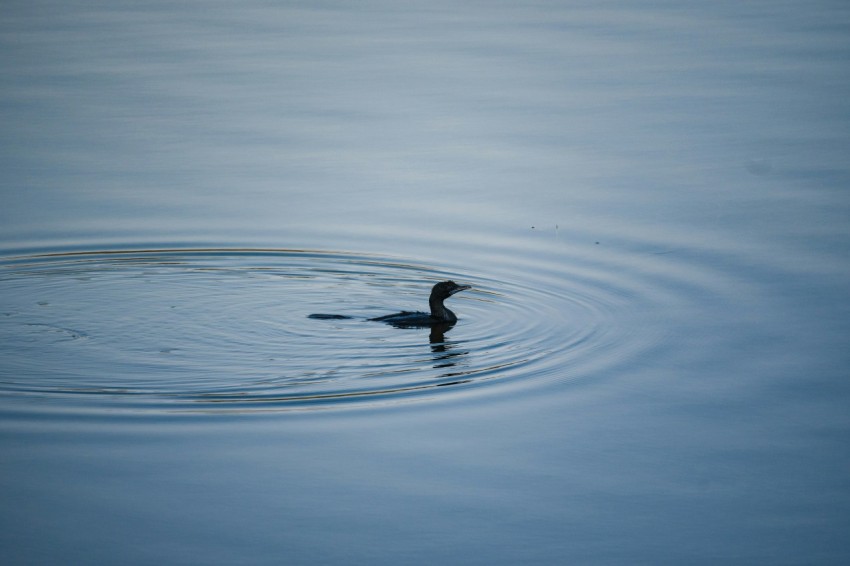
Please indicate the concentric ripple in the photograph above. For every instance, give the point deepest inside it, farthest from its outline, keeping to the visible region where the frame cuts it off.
(229, 329)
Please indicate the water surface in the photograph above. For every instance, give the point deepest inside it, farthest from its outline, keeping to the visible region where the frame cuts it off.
(649, 201)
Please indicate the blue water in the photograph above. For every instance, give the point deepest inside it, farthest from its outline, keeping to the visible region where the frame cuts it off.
(649, 200)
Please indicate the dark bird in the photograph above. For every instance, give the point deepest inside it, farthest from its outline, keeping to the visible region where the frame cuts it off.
(439, 315)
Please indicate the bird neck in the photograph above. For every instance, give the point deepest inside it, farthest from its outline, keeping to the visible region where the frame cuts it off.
(439, 311)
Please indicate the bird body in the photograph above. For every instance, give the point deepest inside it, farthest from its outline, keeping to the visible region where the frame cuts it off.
(439, 315)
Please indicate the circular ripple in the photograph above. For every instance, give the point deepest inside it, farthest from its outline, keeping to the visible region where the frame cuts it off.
(229, 329)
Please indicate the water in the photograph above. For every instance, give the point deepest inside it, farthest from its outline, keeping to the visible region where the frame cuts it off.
(649, 201)
(217, 330)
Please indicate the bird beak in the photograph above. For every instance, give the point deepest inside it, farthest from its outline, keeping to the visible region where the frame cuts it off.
(460, 288)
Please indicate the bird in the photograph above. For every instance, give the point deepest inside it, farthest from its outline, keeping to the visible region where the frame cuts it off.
(439, 315)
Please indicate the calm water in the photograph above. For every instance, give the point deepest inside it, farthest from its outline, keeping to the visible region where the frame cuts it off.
(650, 201)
